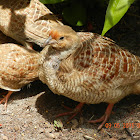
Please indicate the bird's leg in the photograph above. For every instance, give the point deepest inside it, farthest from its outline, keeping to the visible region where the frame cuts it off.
(104, 118)
(5, 99)
(72, 112)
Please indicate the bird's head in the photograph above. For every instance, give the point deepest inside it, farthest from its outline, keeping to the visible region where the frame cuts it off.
(62, 37)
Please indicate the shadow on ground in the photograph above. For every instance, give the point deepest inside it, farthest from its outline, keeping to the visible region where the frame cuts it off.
(49, 105)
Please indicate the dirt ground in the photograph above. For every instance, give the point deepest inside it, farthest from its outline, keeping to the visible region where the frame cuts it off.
(31, 112)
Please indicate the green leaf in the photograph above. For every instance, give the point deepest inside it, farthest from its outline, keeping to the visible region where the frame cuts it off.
(58, 124)
(115, 11)
(75, 14)
(51, 1)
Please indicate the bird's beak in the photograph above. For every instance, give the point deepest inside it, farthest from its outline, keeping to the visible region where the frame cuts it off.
(49, 41)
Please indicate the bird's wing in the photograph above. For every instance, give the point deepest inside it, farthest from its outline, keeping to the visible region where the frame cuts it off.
(104, 61)
(17, 66)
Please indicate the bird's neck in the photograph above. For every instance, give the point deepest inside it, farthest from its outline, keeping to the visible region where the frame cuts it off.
(54, 62)
(50, 67)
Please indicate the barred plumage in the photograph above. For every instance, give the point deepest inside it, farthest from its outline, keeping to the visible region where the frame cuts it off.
(18, 66)
(95, 71)
(28, 21)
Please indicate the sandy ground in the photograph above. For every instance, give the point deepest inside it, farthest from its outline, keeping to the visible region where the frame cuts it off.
(31, 112)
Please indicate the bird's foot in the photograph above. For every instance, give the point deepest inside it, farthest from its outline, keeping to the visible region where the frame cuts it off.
(5, 99)
(72, 112)
(104, 118)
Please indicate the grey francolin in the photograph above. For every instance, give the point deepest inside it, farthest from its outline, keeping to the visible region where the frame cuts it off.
(28, 21)
(18, 66)
(97, 70)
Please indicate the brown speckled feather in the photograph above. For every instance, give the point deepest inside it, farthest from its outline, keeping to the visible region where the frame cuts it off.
(18, 66)
(105, 61)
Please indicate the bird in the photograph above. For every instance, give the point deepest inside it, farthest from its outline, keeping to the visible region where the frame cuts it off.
(18, 67)
(93, 71)
(28, 21)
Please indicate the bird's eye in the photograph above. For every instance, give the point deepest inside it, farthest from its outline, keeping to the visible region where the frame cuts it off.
(61, 38)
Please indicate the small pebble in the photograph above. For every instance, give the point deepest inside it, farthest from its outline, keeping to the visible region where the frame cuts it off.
(16, 128)
(48, 130)
(88, 137)
(4, 137)
(41, 130)
(50, 135)
(112, 139)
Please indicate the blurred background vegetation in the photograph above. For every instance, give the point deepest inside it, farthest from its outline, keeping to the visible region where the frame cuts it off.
(76, 13)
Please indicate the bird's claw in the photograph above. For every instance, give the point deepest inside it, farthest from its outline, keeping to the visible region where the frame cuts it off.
(72, 112)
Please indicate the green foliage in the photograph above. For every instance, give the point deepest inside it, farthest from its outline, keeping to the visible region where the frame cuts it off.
(51, 1)
(58, 125)
(75, 13)
(115, 11)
